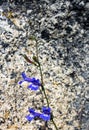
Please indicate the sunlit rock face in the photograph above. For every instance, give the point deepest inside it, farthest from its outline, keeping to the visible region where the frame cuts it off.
(62, 29)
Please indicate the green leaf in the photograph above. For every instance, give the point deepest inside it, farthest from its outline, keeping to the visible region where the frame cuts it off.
(28, 60)
(35, 59)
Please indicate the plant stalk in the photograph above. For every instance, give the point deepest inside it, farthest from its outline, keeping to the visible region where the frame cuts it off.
(42, 83)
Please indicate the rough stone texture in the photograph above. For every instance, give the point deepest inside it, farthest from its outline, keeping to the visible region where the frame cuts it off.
(62, 29)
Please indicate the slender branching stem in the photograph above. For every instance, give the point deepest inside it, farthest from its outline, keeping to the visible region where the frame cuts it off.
(54, 124)
(42, 83)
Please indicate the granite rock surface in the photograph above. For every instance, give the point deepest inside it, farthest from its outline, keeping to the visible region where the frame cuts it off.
(62, 30)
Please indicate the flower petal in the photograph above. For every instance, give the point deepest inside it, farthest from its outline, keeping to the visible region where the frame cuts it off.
(33, 87)
(32, 111)
(46, 110)
(30, 117)
(27, 79)
(45, 117)
(20, 82)
(23, 75)
(35, 81)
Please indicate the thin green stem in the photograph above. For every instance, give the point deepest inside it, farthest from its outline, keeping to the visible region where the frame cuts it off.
(42, 83)
(54, 124)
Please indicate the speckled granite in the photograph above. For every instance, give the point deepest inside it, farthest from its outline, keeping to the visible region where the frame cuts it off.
(62, 30)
